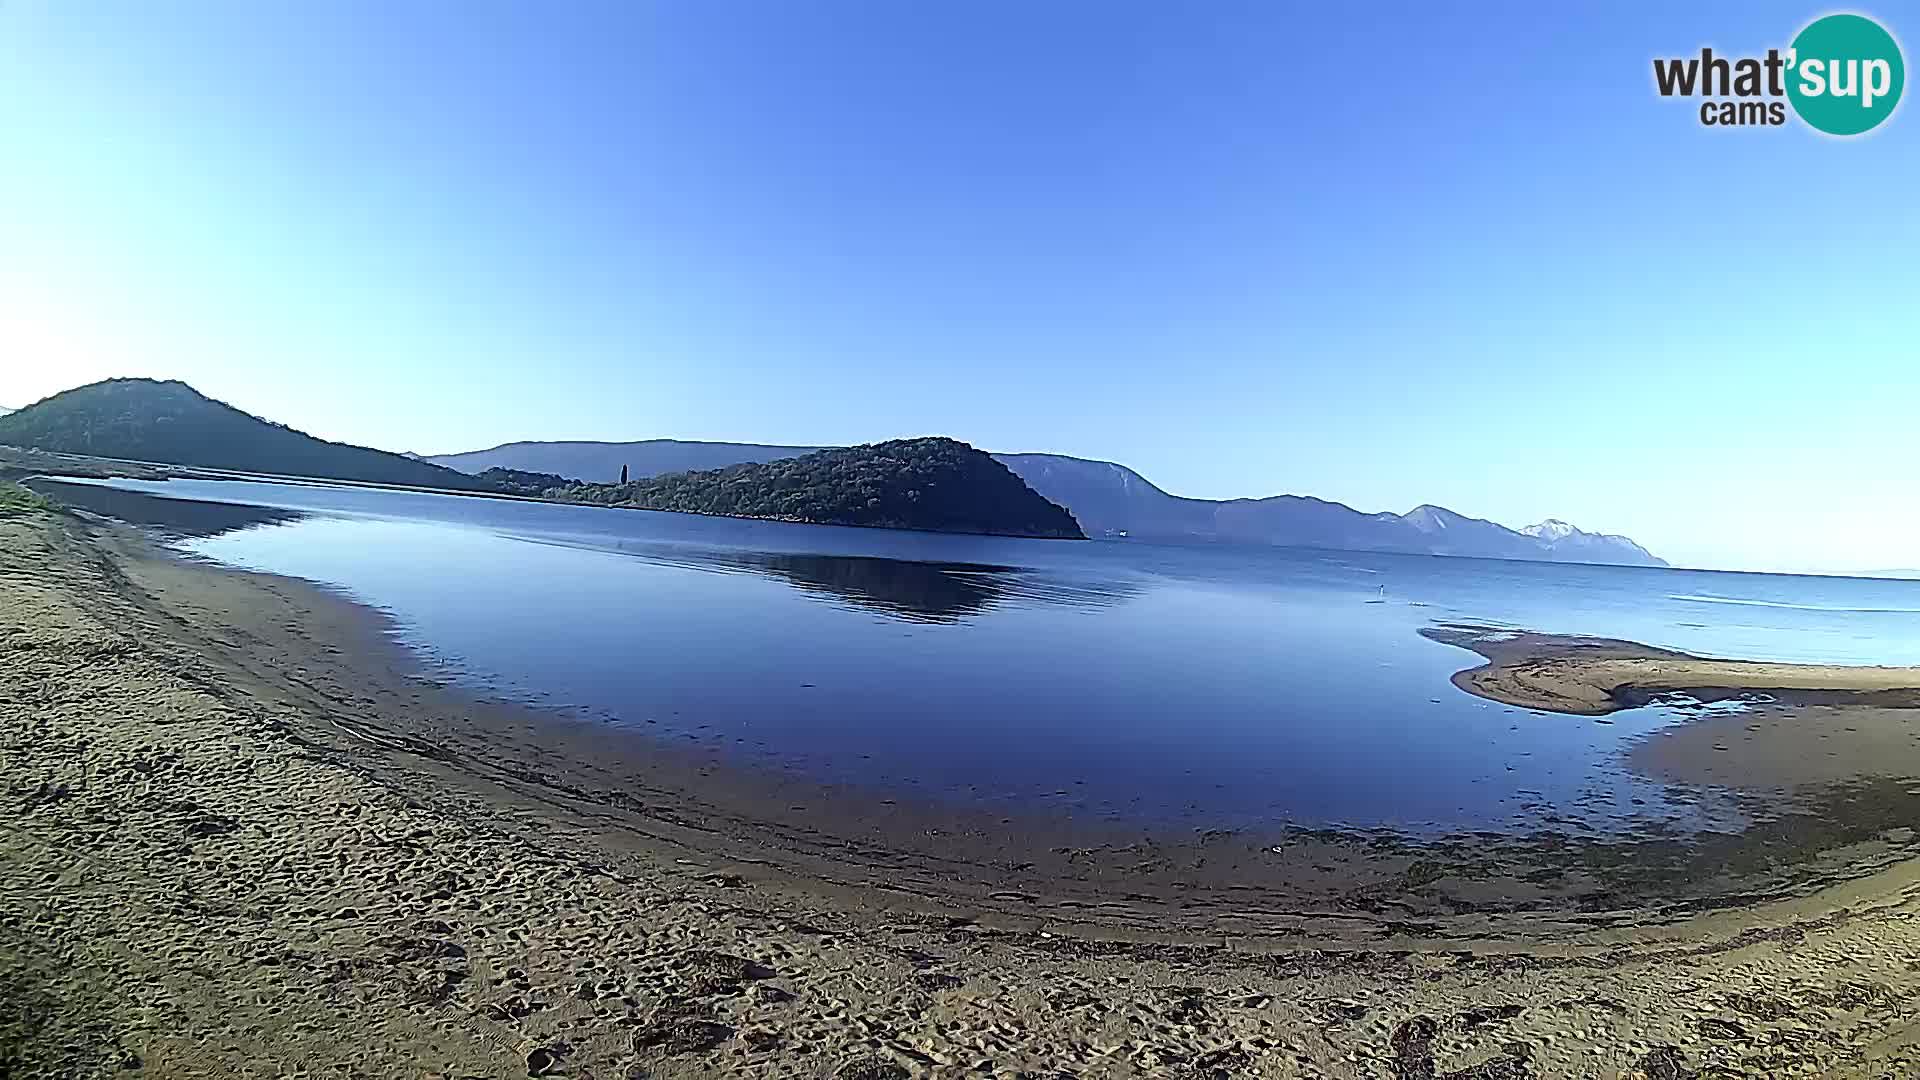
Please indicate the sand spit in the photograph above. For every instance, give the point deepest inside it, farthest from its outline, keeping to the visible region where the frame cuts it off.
(1596, 676)
(243, 839)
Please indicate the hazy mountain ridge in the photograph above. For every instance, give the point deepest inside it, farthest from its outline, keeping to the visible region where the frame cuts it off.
(1109, 499)
(601, 462)
(1572, 544)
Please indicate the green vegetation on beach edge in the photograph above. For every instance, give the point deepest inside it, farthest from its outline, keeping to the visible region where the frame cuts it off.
(15, 499)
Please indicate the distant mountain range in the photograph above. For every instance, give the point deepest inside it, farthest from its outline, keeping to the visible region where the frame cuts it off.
(170, 422)
(601, 462)
(1110, 500)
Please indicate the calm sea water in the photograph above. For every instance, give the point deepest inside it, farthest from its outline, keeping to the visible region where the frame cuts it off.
(1198, 686)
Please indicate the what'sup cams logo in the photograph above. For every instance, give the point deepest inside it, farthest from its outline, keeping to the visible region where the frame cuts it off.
(1842, 75)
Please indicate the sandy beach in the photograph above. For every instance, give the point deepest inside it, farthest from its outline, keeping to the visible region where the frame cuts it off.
(1589, 676)
(251, 837)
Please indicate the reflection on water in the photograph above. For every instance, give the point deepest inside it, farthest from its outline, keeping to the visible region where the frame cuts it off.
(925, 591)
(909, 589)
(1210, 686)
(920, 591)
(170, 516)
(937, 592)
(914, 590)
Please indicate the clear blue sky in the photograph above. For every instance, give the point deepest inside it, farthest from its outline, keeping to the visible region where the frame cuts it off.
(1463, 256)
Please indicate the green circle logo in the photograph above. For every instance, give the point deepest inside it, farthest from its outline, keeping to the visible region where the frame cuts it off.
(1845, 75)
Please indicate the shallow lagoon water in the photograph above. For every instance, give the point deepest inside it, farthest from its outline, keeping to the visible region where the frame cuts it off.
(1199, 686)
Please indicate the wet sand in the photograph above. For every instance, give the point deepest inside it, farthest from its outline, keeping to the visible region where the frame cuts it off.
(250, 836)
(1782, 747)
